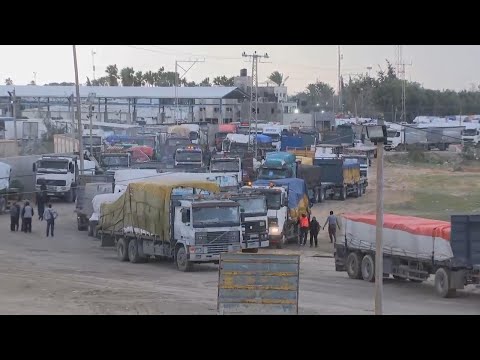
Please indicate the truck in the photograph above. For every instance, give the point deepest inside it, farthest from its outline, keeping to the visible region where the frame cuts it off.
(227, 164)
(189, 157)
(253, 206)
(340, 178)
(471, 134)
(5, 173)
(148, 221)
(275, 133)
(278, 165)
(401, 137)
(364, 162)
(64, 144)
(413, 249)
(111, 161)
(95, 146)
(60, 174)
(287, 200)
(223, 131)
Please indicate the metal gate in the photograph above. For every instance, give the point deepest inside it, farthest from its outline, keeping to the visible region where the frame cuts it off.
(263, 284)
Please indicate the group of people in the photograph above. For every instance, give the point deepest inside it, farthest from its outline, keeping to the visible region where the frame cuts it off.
(313, 226)
(26, 214)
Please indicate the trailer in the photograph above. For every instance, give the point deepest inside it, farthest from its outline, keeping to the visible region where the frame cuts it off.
(413, 249)
(340, 178)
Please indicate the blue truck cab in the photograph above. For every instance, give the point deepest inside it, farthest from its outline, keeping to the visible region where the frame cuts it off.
(278, 165)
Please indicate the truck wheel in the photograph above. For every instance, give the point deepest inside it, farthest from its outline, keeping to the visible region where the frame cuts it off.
(368, 268)
(181, 259)
(80, 225)
(353, 266)
(69, 196)
(122, 249)
(250, 251)
(442, 284)
(133, 254)
(343, 194)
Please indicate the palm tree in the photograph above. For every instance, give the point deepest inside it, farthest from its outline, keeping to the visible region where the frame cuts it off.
(149, 78)
(223, 81)
(205, 82)
(112, 75)
(139, 79)
(128, 76)
(8, 81)
(276, 77)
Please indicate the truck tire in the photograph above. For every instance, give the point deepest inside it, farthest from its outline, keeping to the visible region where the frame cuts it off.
(368, 268)
(343, 193)
(181, 259)
(442, 283)
(353, 266)
(122, 249)
(133, 254)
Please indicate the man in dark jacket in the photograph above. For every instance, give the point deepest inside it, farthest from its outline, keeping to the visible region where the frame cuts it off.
(314, 229)
(14, 216)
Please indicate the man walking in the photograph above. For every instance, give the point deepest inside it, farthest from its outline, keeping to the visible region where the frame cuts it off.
(50, 215)
(27, 215)
(304, 226)
(41, 200)
(14, 215)
(314, 229)
(332, 226)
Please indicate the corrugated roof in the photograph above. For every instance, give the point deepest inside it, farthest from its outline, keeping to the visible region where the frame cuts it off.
(197, 92)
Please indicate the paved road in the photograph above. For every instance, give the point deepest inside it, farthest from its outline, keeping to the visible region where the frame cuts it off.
(71, 274)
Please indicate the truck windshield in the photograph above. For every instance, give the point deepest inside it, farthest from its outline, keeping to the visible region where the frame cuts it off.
(115, 161)
(392, 133)
(269, 173)
(274, 200)
(274, 137)
(216, 216)
(188, 156)
(238, 147)
(469, 132)
(54, 165)
(253, 205)
(224, 165)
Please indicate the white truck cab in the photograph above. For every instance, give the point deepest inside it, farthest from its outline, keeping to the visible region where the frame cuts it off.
(471, 134)
(228, 165)
(59, 173)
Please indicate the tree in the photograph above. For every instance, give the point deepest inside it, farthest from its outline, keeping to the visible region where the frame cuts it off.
(139, 79)
(206, 82)
(149, 78)
(112, 75)
(8, 81)
(127, 76)
(223, 81)
(277, 78)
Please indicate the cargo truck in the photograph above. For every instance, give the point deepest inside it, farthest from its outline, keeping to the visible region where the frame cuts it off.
(401, 138)
(147, 221)
(278, 165)
(413, 249)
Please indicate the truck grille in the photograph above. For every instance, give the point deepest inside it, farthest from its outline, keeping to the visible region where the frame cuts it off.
(51, 183)
(254, 227)
(218, 241)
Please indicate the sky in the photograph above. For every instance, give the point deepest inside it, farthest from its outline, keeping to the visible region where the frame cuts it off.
(435, 66)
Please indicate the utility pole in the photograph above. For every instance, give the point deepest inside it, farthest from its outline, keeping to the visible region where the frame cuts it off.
(178, 78)
(254, 95)
(401, 73)
(35, 77)
(91, 98)
(379, 231)
(340, 57)
(79, 109)
(13, 101)
(93, 63)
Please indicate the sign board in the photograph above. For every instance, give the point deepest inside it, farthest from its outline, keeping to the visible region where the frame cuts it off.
(258, 284)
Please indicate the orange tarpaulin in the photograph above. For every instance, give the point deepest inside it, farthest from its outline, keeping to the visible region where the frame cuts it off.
(411, 224)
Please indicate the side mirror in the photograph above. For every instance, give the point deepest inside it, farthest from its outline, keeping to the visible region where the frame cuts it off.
(71, 168)
(34, 167)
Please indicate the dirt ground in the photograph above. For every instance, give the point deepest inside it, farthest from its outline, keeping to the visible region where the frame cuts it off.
(71, 274)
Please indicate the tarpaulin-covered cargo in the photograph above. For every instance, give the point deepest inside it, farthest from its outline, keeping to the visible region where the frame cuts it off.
(310, 174)
(291, 142)
(282, 156)
(407, 236)
(338, 171)
(298, 202)
(146, 205)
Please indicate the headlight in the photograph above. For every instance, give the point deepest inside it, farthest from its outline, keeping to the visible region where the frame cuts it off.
(200, 237)
(274, 230)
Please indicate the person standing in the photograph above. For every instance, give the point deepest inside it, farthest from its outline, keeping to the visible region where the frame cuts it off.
(41, 199)
(304, 226)
(314, 229)
(332, 226)
(27, 214)
(50, 215)
(14, 215)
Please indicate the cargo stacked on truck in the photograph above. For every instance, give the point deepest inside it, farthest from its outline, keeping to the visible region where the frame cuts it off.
(413, 249)
(287, 200)
(60, 173)
(253, 206)
(278, 165)
(340, 177)
(149, 220)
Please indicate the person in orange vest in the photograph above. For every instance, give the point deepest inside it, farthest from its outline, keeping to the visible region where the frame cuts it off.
(304, 227)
